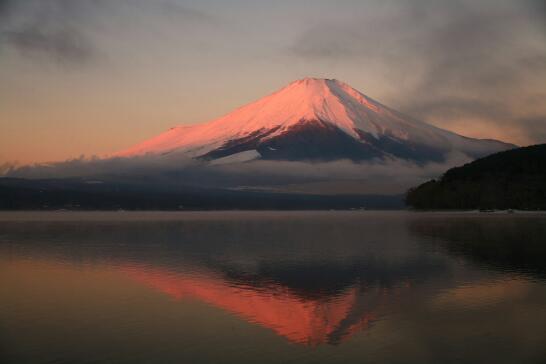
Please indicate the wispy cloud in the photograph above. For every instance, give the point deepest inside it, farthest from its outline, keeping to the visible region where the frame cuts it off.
(64, 31)
(52, 30)
(63, 45)
(458, 59)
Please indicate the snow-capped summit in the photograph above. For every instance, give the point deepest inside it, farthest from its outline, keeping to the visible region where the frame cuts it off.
(315, 119)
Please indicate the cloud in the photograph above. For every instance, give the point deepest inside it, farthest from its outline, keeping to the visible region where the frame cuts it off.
(390, 176)
(343, 176)
(183, 14)
(53, 30)
(4, 7)
(458, 59)
(535, 125)
(65, 31)
(63, 45)
(7, 167)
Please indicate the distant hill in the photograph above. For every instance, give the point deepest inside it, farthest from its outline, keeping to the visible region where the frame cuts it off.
(511, 179)
(81, 194)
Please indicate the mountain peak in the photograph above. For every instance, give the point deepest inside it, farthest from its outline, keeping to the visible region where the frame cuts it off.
(325, 106)
(317, 85)
(314, 80)
(309, 99)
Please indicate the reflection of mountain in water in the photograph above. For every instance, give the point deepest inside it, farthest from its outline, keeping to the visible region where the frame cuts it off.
(507, 243)
(321, 303)
(327, 319)
(313, 279)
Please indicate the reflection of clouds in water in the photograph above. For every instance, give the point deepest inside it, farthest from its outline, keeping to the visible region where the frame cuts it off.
(481, 294)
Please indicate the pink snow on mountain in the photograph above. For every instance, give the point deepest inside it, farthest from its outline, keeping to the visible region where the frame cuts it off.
(310, 99)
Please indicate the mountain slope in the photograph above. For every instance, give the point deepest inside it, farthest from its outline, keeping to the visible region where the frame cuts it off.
(315, 119)
(511, 179)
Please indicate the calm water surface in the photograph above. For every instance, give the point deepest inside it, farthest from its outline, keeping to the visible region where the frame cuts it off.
(272, 287)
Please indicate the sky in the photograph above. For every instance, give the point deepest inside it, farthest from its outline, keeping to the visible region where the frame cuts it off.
(93, 77)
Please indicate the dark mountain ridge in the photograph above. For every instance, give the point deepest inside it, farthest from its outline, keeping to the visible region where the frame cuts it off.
(514, 179)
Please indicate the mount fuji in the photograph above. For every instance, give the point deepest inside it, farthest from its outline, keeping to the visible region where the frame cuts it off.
(315, 144)
(314, 120)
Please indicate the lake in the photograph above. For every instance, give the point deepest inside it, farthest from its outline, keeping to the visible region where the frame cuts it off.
(272, 287)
